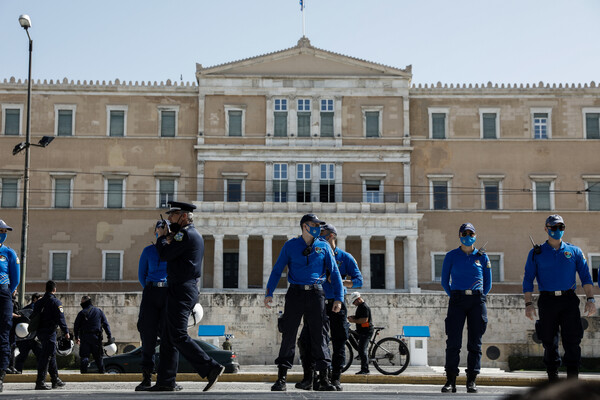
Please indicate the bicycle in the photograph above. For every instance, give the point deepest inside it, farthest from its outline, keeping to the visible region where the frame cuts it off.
(390, 355)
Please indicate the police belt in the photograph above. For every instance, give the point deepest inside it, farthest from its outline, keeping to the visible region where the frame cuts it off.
(157, 284)
(467, 292)
(315, 286)
(557, 292)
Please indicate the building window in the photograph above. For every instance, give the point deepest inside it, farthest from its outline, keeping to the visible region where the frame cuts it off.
(591, 121)
(491, 195)
(373, 191)
(234, 121)
(117, 121)
(234, 190)
(281, 118)
(327, 183)
(438, 123)
(594, 265)
(60, 265)
(280, 183)
(593, 194)
(439, 193)
(303, 116)
(65, 120)
(62, 193)
(489, 123)
(230, 270)
(541, 125)
(372, 121)
(115, 193)
(112, 262)
(543, 193)
(497, 261)
(10, 188)
(168, 121)
(11, 119)
(326, 118)
(166, 192)
(303, 183)
(437, 262)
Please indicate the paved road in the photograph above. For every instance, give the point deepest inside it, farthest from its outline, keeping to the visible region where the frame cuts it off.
(246, 391)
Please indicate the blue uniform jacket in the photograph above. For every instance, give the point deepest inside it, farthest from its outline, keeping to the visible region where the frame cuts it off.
(347, 266)
(150, 268)
(91, 320)
(306, 270)
(10, 270)
(555, 269)
(468, 271)
(52, 314)
(183, 255)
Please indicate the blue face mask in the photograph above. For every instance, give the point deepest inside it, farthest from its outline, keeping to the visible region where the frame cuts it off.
(557, 234)
(468, 240)
(314, 232)
(2, 237)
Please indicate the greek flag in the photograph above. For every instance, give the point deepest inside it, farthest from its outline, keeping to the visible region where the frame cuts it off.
(301, 5)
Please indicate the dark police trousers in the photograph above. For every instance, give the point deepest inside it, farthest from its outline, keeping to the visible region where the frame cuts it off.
(338, 325)
(25, 346)
(309, 304)
(560, 311)
(91, 343)
(175, 339)
(473, 309)
(47, 358)
(151, 321)
(6, 309)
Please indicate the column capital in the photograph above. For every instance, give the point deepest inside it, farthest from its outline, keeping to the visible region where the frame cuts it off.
(269, 237)
(218, 236)
(365, 237)
(390, 237)
(243, 236)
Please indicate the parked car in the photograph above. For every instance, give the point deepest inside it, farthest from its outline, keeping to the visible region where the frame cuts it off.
(130, 362)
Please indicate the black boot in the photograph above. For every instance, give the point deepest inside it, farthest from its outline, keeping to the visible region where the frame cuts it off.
(335, 380)
(2, 375)
(41, 385)
(279, 385)
(552, 376)
(307, 380)
(471, 386)
(57, 383)
(324, 383)
(572, 373)
(146, 381)
(450, 385)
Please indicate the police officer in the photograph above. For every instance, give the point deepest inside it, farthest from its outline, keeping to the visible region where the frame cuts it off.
(471, 273)
(51, 316)
(87, 330)
(12, 337)
(182, 247)
(554, 265)
(9, 280)
(308, 259)
(338, 322)
(152, 274)
(27, 344)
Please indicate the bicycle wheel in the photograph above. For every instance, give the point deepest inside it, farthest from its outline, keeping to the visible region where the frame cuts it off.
(390, 356)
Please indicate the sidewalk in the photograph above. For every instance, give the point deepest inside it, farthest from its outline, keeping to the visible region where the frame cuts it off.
(268, 373)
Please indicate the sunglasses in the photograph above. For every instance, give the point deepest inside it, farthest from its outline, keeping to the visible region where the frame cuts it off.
(557, 227)
(467, 233)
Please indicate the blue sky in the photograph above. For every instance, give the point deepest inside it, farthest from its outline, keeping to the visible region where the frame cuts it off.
(459, 41)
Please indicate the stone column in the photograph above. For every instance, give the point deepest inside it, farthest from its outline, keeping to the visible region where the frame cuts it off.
(200, 180)
(292, 195)
(390, 263)
(407, 180)
(365, 257)
(411, 278)
(315, 182)
(269, 181)
(267, 258)
(338, 182)
(218, 262)
(243, 262)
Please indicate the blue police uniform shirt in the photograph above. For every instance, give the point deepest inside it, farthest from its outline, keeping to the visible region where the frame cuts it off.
(151, 269)
(347, 265)
(10, 271)
(468, 271)
(51, 313)
(183, 255)
(90, 320)
(555, 269)
(306, 270)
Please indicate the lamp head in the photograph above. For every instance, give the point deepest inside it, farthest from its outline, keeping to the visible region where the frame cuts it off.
(18, 148)
(25, 21)
(45, 140)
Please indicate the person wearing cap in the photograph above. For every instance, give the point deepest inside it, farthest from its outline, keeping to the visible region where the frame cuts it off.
(10, 274)
(337, 322)
(152, 274)
(87, 331)
(467, 279)
(554, 266)
(182, 247)
(364, 328)
(308, 259)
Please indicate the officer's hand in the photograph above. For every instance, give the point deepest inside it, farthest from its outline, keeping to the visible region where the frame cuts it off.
(268, 301)
(348, 283)
(530, 312)
(590, 308)
(337, 306)
(78, 341)
(68, 336)
(351, 318)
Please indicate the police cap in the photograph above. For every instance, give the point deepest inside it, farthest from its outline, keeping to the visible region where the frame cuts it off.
(466, 227)
(554, 219)
(329, 228)
(180, 206)
(4, 225)
(311, 218)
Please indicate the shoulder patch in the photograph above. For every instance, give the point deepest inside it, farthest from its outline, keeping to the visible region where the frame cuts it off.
(2, 258)
(568, 254)
(179, 236)
(488, 265)
(478, 263)
(60, 308)
(318, 250)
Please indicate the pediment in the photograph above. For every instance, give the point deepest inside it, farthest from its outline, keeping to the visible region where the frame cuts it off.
(303, 60)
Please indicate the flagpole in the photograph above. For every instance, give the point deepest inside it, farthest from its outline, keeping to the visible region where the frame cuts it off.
(303, 22)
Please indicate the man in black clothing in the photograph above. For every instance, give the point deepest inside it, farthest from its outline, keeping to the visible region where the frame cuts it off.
(28, 343)
(364, 328)
(88, 334)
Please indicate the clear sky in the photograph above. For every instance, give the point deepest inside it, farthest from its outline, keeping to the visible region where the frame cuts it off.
(458, 41)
